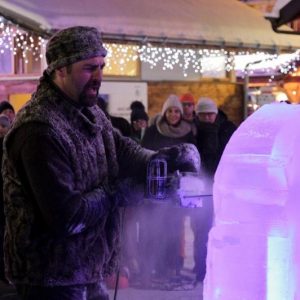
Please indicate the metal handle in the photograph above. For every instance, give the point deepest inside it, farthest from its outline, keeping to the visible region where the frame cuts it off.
(157, 178)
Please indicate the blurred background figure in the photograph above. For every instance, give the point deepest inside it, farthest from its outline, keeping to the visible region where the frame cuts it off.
(7, 109)
(161, 227)
(5, 124)
(139, 120)
(213, 133)
(137, 105)
(130, 257)
(188, 104)
(117, 122)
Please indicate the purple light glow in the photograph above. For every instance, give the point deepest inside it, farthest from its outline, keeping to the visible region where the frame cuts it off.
(253, 249)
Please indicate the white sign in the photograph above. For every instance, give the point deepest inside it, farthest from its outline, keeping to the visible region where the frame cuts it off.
(265, 99)
(121, 94)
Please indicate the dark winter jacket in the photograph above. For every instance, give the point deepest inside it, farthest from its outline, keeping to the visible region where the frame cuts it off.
(2, 222)
(121, 124)
(155, 140)
(1, 189)
(59, 160)
(117, 122)
(212, 140)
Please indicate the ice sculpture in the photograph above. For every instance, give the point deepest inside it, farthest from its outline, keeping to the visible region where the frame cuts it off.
(253, 248)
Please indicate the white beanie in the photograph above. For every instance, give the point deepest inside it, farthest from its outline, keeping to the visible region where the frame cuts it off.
(206, 105)
(172, 101)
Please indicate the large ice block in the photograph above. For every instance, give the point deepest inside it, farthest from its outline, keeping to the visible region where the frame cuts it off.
(253, 248)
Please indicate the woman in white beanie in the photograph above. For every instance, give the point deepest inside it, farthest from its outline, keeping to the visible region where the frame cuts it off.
(161, 228)
(170, 128)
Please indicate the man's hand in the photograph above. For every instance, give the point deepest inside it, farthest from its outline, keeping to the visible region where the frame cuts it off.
(183, 157)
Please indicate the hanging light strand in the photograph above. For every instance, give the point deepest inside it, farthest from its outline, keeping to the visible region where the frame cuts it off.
(189, 60)
(15, 40)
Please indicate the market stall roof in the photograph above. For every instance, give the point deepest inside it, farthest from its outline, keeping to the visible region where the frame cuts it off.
(226, 23)
(284, 11)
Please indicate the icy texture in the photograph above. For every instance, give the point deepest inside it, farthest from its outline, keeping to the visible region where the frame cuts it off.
(193, 190)
(253, 249)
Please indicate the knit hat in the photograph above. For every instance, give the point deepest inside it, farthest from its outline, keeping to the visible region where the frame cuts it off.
(187, 98)
(206, 105)
(138, 114)
(6, 105)
(73, 44)
(4, 121)
(137, 105)
(172, 101)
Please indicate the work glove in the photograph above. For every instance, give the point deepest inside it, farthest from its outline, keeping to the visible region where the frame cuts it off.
(182, 158)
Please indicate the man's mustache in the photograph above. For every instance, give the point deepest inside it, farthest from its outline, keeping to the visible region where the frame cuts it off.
(94, 85)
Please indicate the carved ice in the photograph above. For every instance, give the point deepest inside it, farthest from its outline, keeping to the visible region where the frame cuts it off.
(253, 248)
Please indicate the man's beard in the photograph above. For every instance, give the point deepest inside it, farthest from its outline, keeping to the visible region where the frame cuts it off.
(88, 100)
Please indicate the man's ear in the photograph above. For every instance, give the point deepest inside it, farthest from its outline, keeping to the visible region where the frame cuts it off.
(61, 72)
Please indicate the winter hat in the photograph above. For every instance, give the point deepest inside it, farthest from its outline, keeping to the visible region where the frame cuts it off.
(187, 98)
(137, 105)
(172, 101)
(73, 44)
(206, 105)
(5, 105)
(4, 121)
(138, 114)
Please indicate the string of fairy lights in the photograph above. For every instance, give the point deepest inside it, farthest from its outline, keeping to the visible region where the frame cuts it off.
(14, 40)
(201, 60)
(189, 60)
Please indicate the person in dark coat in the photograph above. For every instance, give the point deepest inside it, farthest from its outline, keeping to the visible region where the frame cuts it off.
(138, 121)
(188, 104)
(7, 109)
(138, 124)
(213, 133)
(162, 226)
(117, 122)
(5, 124)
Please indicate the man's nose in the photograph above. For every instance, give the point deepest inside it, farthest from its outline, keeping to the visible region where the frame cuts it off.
(97, 74)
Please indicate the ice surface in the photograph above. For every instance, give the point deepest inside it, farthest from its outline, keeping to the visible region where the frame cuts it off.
(253, 249)
(193, 190)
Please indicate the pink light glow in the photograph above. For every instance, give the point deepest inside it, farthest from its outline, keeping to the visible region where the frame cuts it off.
(253, 249)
